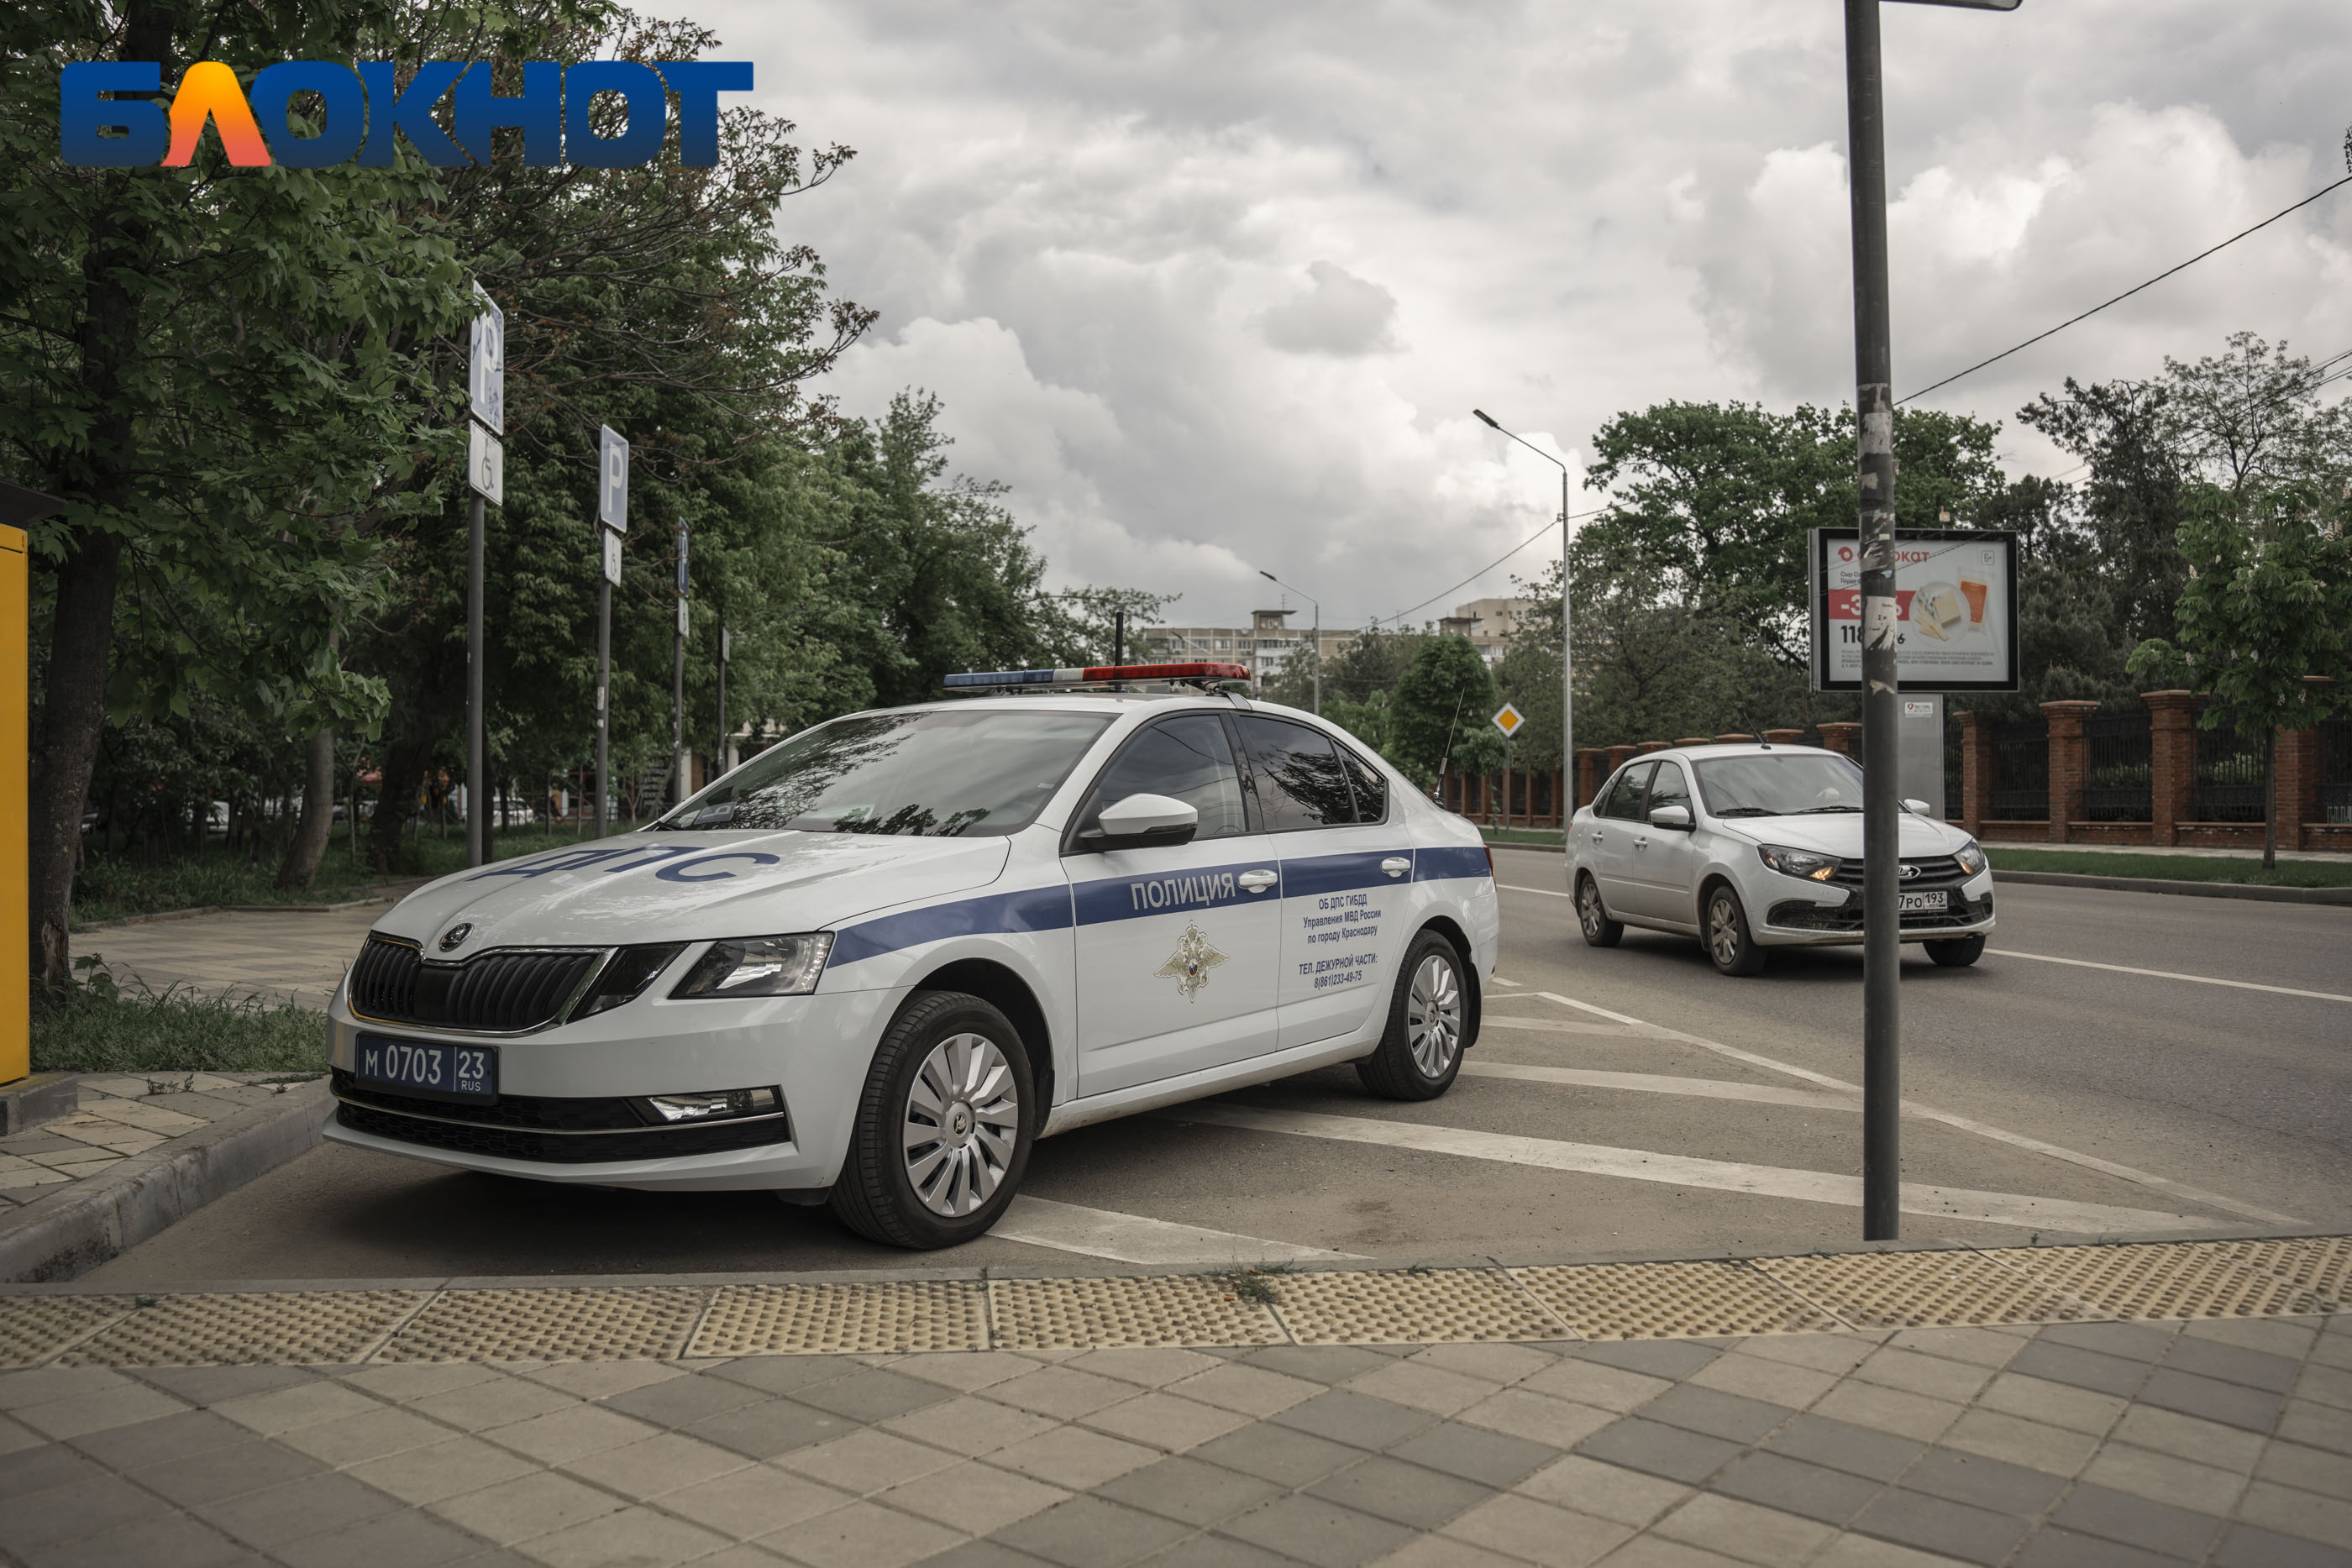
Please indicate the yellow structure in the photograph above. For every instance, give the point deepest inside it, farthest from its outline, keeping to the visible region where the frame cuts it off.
(16, 807)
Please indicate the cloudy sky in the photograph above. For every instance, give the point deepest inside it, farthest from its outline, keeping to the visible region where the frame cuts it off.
(1214, 284)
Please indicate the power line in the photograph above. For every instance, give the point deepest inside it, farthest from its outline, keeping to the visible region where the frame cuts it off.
(2127, 293)
(1490, 566)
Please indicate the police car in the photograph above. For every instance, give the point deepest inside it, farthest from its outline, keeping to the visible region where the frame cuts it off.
(873, 964)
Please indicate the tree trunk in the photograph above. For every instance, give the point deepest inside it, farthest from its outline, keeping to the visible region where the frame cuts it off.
(301, 867)
(73, 714)
(404, 772)
(2270, 797)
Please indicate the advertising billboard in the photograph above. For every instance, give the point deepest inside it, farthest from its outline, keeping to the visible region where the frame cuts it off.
(1956, 610)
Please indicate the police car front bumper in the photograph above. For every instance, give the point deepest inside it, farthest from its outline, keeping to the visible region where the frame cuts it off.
(566, 1107)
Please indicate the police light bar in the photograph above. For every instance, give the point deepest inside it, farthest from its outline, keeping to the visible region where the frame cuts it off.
(1094, 674)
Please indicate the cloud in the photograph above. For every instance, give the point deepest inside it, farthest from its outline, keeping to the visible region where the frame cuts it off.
(1339, 314)
(1214, 286)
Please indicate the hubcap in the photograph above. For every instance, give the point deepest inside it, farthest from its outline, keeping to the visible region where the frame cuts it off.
(1588, 908)
(1723, 930)
(962, 1122)
(1432, 1017)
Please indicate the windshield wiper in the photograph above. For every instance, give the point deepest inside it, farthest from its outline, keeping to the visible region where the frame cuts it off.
(1746, 811)
(1816, 811)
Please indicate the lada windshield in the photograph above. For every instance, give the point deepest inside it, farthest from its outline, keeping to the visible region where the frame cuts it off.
(941, 774)
(1790, 785)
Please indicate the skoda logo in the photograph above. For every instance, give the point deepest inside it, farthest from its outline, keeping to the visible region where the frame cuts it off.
(1907, 873)
(458, 933)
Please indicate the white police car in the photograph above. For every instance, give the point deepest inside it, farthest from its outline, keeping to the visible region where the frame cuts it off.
(878, 961)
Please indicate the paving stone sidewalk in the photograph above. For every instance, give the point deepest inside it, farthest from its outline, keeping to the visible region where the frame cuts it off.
(2108, 1445)
(122, 1115)
(298, 956)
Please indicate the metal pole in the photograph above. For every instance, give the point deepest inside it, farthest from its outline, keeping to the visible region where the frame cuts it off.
(478, 846)
(677, 683)
(1567, 686)
(1118, 636)
(604, 700)
(1881, 1025)
(1319, 656)
(719, 751)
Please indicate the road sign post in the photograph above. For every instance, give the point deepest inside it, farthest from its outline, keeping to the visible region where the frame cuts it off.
(486, 385)
(1508, 719)
(678, 758)
(725, 651)
(613, 521)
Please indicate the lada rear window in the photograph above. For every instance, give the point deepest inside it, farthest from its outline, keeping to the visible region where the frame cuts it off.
(1794, 784)
(960, 772)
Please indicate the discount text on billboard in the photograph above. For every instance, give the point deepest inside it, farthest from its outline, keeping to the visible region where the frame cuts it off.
(1956, 610)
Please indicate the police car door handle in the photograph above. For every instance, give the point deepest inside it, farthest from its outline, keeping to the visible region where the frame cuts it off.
(1257, 880)
(1396, 865)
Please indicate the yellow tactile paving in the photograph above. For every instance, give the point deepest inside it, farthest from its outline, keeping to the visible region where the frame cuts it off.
(1422, 1306)
(1672, 1300)
(1920, 1290)
(1819, 1293)
(901, 1316)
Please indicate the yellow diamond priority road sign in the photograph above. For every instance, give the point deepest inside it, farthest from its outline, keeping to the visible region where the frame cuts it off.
(1507, 719)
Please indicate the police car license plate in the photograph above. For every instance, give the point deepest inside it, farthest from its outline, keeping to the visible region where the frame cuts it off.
(1922, 902)
(429, 1068)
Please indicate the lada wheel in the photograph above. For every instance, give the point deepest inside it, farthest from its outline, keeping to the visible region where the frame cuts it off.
(1593, 915)
(943, 1128)
(1729, 943)
(1429, 1017)
(1957, 952)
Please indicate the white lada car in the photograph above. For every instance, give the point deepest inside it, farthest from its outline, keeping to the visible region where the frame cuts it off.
(1751, 847)
(875, 963)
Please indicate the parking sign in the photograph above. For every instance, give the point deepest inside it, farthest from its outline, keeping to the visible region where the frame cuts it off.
(486, 465)
(486, 369)
(613, 481)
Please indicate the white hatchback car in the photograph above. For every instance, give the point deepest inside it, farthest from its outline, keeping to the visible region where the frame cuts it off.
(876, 962)
(1759, 846)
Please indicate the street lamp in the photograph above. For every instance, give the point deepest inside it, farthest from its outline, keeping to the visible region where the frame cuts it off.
(1567, 692)
(1881, 795)
(1318, 636)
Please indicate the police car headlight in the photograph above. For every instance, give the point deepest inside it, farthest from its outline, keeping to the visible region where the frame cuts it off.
(758, 966)
(630, 972)
(1797, 863)
(1971, 857)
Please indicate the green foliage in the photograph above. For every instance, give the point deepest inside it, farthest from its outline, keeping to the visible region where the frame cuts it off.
(1439, 717)
(96, 1029)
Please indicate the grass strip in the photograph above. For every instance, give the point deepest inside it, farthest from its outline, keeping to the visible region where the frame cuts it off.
(2174, 868)
(1522, 836)
(177, 1031)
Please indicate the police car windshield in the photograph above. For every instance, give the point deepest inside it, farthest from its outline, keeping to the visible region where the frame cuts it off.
(1789, 784)
(941, 774)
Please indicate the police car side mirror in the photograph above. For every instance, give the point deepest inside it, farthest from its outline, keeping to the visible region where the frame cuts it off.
(1671, 817)
(1141, 821)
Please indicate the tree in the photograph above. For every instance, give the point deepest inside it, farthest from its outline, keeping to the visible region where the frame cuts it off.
(1439, 717)
(2268, 601)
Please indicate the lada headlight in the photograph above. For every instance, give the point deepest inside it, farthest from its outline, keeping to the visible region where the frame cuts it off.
(758, 966)
(1971, 857)
(1797, 863)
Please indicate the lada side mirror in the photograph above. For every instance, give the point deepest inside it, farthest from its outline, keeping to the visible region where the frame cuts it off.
(1919, 808)
(1142, 822)
(1671, 817)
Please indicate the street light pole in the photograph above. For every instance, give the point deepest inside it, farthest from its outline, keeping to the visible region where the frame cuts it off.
(1567, 663)
(1318, 634)
(1882, 707)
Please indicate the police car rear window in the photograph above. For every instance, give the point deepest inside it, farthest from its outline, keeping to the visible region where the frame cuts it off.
(961, 772)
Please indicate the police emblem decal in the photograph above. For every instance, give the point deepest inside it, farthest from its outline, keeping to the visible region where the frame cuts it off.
(1190, 964)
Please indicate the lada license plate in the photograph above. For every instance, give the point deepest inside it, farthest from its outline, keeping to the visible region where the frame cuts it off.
(1922, 902)
(429, 1068)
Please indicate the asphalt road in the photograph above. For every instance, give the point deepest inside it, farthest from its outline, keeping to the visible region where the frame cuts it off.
(1621, 1102)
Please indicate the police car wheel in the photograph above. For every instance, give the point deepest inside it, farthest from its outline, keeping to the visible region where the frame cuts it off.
(943, 1128)
(1429, 1016)
(1593, 916)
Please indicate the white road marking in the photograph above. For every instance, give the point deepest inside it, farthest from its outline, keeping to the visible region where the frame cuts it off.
(1665, 1083)
(1500, 981)
(2047, 1214)
(2170, 975)
(1547, 892)
(1557, 1026)
(1132, 1238)
(1966, 1125)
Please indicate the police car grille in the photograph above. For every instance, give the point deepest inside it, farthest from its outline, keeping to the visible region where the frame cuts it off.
(498, 992)
(427, 1128)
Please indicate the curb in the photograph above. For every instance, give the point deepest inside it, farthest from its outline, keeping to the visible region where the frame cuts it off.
(97, 1220)
(1540, 849)
(2335, 896)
